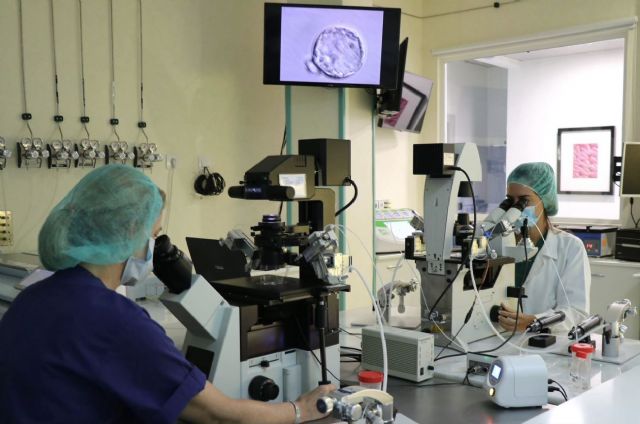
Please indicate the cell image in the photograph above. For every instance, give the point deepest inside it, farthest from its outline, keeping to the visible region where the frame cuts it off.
(338, 52)
(585, 160)
(331, 45)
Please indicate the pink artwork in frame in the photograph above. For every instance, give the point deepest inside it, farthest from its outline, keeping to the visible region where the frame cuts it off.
(585, 160)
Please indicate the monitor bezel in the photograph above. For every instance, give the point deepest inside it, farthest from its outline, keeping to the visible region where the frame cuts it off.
(624, 151)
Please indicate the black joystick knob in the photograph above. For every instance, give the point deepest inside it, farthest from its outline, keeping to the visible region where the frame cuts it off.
(263, 388)
(494, 314)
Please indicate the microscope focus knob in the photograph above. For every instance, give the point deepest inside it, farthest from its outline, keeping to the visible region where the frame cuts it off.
(263, 388)
(325, 404)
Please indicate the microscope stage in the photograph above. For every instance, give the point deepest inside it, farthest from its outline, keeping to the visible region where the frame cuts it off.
(270, 289)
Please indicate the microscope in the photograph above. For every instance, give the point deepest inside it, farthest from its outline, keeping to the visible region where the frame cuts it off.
(445, 276)
(270, 337)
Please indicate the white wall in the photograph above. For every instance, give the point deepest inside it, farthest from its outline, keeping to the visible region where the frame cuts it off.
(580, 90)
(476, 104)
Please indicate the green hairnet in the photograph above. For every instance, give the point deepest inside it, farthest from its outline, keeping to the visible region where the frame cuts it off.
(539, 177)
(103, 220)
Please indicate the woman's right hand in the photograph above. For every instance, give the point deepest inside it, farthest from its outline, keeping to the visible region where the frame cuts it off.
(307, 402)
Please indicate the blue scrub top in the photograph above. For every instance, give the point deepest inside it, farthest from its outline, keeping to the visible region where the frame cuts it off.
(74, 351)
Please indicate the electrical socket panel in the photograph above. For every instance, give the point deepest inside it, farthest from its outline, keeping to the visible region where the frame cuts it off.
(6, 228)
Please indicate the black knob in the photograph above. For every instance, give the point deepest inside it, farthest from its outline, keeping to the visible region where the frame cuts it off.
(494, 314)
(263, 388)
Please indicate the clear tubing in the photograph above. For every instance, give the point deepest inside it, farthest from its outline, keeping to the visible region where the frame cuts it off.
(343, 230)
(486, 316)
(380, 326)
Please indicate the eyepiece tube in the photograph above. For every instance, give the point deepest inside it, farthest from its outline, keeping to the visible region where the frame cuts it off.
(545, 321)
(584, 327)
(171, 266)
(237, 192)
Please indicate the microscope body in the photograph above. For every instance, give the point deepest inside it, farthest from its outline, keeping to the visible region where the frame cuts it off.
(254, 350)
(270, 337)
(442, 259)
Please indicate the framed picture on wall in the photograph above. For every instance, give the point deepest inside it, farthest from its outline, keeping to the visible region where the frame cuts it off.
(585, 160)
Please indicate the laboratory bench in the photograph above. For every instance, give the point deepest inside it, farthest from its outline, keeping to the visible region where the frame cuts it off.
(444, 399)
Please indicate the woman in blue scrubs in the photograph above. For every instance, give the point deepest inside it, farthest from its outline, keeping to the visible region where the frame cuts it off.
(72, 350)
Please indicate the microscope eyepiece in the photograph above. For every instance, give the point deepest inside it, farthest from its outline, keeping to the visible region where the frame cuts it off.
(171, 266)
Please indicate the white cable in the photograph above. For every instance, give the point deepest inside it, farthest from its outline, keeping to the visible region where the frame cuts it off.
(460, 344)
(486, 316)
(343, 229)
(380, 325)
(167, 216)
(555, 267)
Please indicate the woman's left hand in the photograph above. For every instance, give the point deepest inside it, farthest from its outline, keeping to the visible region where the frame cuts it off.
(507, 319)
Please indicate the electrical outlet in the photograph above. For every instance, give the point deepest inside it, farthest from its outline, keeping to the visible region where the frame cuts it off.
(171, 162)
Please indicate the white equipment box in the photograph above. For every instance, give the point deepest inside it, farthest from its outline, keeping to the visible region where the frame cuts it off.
(409, 353)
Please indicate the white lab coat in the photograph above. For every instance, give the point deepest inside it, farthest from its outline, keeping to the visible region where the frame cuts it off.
(563, 255)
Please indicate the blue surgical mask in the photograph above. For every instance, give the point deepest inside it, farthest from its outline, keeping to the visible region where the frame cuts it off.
(136, 269)
(530, 214)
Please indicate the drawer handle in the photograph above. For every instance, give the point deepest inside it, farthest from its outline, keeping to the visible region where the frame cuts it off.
(398, 266)
(597, 275)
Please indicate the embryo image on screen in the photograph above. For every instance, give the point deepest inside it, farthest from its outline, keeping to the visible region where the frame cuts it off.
(332, 46)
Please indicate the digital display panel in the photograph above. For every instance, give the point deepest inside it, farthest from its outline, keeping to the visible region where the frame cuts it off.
(331, 45)
(496, 370)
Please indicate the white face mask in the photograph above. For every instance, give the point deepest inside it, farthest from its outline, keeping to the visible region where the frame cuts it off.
(136, 269)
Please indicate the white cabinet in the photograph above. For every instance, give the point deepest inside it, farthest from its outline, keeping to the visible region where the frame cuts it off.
(614, 280)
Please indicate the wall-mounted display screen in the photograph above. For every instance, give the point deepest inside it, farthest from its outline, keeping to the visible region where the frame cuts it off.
(331, 45)
(630, 180)
(416, 91)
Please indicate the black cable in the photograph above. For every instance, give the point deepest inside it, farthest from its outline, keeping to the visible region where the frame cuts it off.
(466, 320)
(84, 119)
(209, 183)
(114, 121)
(141, 124)
(473, 199)
(519, 305)
(284, 141)
(635, 223)
(57, 117)
(552, 381)
(26, 116)
(349, 333)
(311, 351)
(282, 146)
(451, 356)
(355, 196)
(351, 348)
(559, 389)
(464, 260)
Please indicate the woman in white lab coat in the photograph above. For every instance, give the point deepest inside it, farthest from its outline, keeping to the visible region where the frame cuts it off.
(558, 277)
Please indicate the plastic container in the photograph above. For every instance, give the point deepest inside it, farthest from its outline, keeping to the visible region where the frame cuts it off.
(580, 369)
(370, 379)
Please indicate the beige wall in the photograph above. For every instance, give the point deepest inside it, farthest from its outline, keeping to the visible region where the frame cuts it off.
(204, 98)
